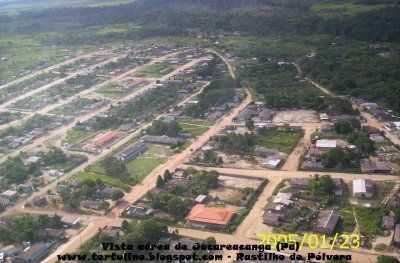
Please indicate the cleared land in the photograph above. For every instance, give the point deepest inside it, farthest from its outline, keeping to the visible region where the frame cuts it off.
(195, 127)
(280, 140)
(155, 70)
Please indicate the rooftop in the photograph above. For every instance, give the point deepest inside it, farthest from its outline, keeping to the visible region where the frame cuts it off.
(210, 215)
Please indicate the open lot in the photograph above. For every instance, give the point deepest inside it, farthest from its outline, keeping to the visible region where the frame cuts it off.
(194, 126)
(281, 140)
(295, 116)
(155, 70)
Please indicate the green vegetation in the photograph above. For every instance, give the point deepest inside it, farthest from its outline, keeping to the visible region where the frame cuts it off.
(387, 259)
(142, 166)
(24, 228)
(108, 180)
(282, 140)
(163, 127)
(195, 127)
(329, 9)
(369, 220)
(154, 70)
(77, 135)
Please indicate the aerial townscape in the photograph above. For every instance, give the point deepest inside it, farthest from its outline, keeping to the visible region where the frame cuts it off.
(171, 123)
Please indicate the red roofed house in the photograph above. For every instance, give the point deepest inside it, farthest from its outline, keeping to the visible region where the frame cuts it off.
(103, 140)
(212, 217)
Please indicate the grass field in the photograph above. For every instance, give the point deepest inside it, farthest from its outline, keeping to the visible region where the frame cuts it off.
(283, 141)
(75, 136)
(155, 70)
(327, 9)
(108, 180)
(112, 91)
(369, 220)
(142, 166)
(195, 127)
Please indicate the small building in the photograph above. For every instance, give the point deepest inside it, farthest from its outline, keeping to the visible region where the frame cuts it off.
(10, 195)
(4, 202)
(70, 221)
(102, 140)
(137, 211)
(52, 234)
(92, 204)
(376, 137)
(173, 141)
(132, 152)
(323, 117)
(363, 188)
(39, 201)
(300, 183)
(201, 199)
(213, 217)
(388, 222)
(326, 222)
(373, 166)
(272, 219)
(396, 236)
(272, 162)
(283, 198)
(108, 192)
(326, 144)
(33, 254)
(25, 188)
(264, 152)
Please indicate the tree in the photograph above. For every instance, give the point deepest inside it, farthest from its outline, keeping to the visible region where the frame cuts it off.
(387, 259)
(322, 185)
(250, 124)
(343, 127)
(115, 168)
(167, 175)
(177, 207)
(116, 195)
(160, 182)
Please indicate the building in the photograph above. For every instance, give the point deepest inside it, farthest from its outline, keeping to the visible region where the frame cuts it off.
(326, 222)
(373, 166)
(70, 221)
(363, 188)
(323, 117)
(10, 195)
(283, 198)
(108, 192)
(173, 141)
(104, 139)
(326, 144)
(213, 217)
(300, 183)
(132, 152)
(33, 254)
(92, 204)
(201, 199)
(52, 234)
(4, 202)
(272, 162)
(271, 219)
(136, 211)
(264, 152)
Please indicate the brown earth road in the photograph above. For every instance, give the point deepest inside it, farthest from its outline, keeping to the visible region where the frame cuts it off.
(293, 161)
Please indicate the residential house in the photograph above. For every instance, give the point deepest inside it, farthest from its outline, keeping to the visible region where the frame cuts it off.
(271, 218)
(137, 211)
(108, 192)
(70, 221)
(327, 221)
(213, 217)
(272, 162)
(363, 188)
(326, 144)
(92, 204)
(34, 254)
(132, 152)
(10, 195)
(162, 140)
(39, 201)
(374, 166)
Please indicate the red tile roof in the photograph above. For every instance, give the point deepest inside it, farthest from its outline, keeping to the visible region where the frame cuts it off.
(210, 215)
(105, 138)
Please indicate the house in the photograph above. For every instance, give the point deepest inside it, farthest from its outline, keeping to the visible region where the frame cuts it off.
(396, 236)
(4, 202)
(373, 166)
(388, 222)
(376, 137)
(325, 144)
(39, 201)
(70, 221)
(132, 152)
(272, 162)
(136, 211)
(108, 192)
(326, 222)
(102, 140)
(201, 199)
(92, 204)
(25, 188)
(10, 195)
(52, 234)
(214, 217)
(363, 188)
(323, 117)
(283, 198)
(33, 254)
(300, 183)
(272, 219)
(264, 152)
(173, 141)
